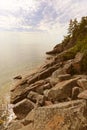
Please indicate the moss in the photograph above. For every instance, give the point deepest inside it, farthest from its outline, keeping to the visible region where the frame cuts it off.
(80, 46)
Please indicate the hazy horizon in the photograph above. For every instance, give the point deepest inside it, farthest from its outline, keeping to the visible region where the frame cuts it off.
(44, 20)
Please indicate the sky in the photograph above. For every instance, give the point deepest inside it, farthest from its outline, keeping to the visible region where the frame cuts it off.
(49, 17)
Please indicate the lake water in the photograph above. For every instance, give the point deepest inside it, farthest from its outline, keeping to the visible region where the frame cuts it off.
(20, 53)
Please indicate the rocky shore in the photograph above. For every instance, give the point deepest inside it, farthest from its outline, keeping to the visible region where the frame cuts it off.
(53, 98)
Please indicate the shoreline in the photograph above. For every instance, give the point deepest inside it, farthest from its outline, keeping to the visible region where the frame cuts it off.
(53, 89)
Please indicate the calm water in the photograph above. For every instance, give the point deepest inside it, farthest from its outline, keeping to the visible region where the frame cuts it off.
(19, 54)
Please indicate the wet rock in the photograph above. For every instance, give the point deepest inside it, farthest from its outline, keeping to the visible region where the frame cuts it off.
(62, 90)
(62, 116)
(22, 108)
(83, 95)
(75, 92)
(82, 83)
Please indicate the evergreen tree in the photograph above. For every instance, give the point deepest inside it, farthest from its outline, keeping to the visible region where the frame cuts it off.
(70, 29)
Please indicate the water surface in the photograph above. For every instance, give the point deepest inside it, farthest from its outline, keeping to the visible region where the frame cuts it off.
(20, 53)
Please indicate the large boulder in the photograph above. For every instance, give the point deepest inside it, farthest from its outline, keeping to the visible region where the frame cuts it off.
(62, 90)
(62, 116)
(22, 108)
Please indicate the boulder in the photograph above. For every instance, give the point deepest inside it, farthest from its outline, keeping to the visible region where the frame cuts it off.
(77, 62)
(57, 49)
(53, 81)
(18, 77)
(20, 83)
(75, 92)
(46, 93)
(67, 68)
(58, 72)
(62, 90)
(82, 83)
(21, 109)
(43, 74)
(41, 89)
(19, 93)
(29, 118)
(33, 96)
(62, 116)
(83, 95)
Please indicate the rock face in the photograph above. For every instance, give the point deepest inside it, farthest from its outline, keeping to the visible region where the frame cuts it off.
(54, 97)
(62, 90)
(22, 108)
(63, 116)
(77, 62)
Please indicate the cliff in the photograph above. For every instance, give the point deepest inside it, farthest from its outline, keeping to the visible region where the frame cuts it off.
(55, 97)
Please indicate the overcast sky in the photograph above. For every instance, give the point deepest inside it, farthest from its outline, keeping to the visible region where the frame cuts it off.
(45, 16)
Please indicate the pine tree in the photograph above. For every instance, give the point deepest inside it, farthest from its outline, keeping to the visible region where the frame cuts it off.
(70, 29)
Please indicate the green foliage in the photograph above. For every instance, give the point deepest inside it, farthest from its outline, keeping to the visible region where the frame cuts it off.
(77, 34)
